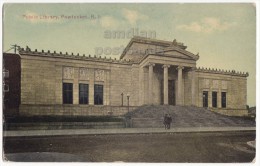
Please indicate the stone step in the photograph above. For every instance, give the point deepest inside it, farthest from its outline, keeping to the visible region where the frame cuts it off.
(183, 116)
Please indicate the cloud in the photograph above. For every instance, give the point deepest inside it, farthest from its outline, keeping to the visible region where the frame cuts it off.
(207, 25)
(33, 17)
(133, 16)
(108, 22)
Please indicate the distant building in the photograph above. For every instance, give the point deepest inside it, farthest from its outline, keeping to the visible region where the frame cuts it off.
(11, 84)
(149, 71)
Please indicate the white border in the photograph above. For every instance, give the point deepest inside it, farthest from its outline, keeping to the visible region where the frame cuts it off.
(147, 1)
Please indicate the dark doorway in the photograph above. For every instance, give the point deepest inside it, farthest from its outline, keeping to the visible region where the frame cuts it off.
(205, 98)
(171, 92)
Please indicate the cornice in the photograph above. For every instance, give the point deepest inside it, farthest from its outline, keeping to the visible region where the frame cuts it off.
(66, 55)
(219, 71)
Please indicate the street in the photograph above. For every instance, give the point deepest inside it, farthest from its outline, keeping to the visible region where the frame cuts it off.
(213, 147)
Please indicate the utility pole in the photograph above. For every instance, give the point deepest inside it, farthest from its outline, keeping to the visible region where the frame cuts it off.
(15, 47)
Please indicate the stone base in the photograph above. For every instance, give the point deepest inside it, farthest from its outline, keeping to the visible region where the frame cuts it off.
(72, 110)
(64, 125)
(231, 112)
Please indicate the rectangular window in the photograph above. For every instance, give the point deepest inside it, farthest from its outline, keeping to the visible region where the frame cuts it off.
(67, 89)
(223, 100)
(98, 94)
(6, 88)
(205, 98)
(83, 93)
(6, 73)
(214, 99)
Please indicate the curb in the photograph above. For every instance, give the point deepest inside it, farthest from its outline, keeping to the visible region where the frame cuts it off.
(28, 133)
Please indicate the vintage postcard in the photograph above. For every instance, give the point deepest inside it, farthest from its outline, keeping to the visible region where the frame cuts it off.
(129, 82)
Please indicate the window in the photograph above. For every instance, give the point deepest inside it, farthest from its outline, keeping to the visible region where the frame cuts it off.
(67, 89)
(5, 73)
(98, 94)
(83, 93)
(205, 98)
(223, 100)
(214, 99)
(6, 88)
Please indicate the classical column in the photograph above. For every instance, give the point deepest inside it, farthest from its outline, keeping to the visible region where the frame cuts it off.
(180, 91)
(150, 84)
(193, 86)
(165, 84)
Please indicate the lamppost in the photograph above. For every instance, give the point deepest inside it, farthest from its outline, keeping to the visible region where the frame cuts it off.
(128, 96)
(122, 98)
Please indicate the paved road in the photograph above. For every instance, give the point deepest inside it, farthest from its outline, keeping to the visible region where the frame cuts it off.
(157, 147)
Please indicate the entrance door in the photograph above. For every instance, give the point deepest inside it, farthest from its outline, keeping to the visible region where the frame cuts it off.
(205, 99)
(171, 92)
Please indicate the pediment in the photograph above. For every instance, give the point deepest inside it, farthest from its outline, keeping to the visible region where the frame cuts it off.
(177, 53)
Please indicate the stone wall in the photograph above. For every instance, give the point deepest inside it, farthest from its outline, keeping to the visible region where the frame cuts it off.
(38, 82)
(187, 88)
(73, 110)
(120, 82)
(42, 78)
(231, 112)
(42, 75)
(135, 86)
(63, 125)
(234, 86)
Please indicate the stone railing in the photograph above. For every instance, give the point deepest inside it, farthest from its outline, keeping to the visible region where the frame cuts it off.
(28, 51)
(219, 71)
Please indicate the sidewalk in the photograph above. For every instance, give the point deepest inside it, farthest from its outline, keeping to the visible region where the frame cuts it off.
(21, 133)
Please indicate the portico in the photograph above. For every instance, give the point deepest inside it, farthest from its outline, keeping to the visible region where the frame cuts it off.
(169, 74)
(170, 78)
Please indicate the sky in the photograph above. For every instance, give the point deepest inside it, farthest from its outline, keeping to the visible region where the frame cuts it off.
(224, 35)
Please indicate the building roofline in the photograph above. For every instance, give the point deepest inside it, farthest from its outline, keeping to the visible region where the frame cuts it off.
(94, 58)
(225, 72)
(55, 54)
(145, 40)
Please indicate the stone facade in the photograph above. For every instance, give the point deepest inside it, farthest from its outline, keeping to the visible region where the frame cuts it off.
(148, 72)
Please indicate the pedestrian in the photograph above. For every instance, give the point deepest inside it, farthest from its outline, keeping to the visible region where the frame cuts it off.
(165, 121)
(169, 120)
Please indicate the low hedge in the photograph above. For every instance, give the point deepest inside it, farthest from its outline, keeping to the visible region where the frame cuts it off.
(40, 119)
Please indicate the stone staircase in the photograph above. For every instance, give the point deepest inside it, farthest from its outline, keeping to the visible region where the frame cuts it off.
(183, 116)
